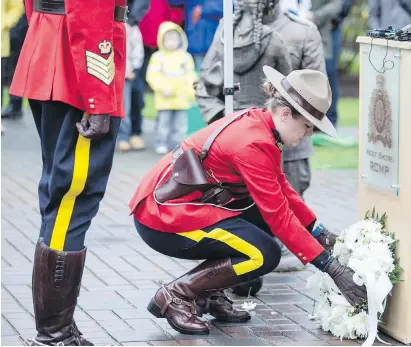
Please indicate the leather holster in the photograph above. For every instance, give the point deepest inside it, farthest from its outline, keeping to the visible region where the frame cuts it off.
(187, 176)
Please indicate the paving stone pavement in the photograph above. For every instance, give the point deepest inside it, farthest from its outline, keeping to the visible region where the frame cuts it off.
(122, 273)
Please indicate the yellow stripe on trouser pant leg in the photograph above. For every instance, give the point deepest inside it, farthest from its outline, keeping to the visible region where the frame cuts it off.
(256, 257)
(65, 211)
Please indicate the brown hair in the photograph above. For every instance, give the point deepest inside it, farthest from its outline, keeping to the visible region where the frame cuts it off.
(277, 100)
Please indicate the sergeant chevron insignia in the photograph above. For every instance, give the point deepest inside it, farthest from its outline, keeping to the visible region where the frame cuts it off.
(101, 68)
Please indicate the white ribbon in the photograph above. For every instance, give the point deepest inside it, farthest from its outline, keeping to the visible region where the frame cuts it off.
(377, 292)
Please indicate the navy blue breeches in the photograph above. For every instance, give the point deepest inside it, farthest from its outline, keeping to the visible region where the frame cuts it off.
(74, 176)
(246, 240)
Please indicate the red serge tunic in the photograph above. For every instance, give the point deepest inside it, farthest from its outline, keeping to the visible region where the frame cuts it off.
(77, 58)
(244, 152)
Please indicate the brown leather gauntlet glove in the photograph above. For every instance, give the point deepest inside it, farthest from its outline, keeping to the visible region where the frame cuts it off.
(343, 278)
(94, 126)
(326, 238)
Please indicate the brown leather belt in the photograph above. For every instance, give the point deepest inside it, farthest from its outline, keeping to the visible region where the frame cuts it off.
(57, 7)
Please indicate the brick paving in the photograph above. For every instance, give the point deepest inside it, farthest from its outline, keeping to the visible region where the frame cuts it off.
(122, 273)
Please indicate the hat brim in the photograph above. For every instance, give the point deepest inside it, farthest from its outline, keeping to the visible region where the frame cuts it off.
(275, 78)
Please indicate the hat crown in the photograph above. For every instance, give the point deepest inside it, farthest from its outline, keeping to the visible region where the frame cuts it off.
(308, 91)
(313, 86)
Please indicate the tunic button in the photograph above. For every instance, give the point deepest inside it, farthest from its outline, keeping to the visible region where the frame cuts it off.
(90, 100)
(92, 106)
(304, 258)
(300, 254)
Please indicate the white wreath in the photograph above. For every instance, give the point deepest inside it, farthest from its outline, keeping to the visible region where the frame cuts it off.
(368, 249)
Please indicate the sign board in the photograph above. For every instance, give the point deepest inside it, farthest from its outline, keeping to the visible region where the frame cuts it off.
(380, 114)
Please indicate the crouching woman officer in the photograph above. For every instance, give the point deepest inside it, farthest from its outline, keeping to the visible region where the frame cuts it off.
(222, 197)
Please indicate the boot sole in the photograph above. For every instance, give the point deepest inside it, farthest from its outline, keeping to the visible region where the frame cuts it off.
(156, 312)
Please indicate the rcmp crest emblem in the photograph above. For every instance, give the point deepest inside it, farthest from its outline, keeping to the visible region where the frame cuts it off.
(380, 120)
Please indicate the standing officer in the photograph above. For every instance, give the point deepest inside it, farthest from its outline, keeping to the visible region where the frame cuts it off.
(72, 70)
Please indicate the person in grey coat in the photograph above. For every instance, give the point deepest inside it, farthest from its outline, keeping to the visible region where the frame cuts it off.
(322, 12)
(304, 44)
(256, 44)
(389, 12)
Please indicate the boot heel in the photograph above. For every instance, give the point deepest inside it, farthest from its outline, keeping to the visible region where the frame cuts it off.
(154, 309)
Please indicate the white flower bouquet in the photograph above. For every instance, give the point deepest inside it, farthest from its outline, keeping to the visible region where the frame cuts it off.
(368, 249)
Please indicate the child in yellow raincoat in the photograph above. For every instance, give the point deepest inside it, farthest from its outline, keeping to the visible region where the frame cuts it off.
(171, 75)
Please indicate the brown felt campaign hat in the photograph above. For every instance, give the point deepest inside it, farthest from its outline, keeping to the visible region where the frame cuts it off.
(308, 91)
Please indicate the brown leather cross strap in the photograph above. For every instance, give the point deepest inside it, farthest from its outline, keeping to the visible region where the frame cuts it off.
(57, 7)
(207, 144)
(301, 101)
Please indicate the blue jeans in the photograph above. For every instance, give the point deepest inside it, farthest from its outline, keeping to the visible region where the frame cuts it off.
(332, 72)
(171, 128)
(133, 91)
(125, 125)
(137, 104)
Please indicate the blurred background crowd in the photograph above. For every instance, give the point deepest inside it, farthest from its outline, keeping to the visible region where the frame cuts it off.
(167, 42)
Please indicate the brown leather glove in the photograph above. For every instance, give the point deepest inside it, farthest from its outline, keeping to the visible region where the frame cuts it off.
(327, 239)
(94, 126)
(343, 278)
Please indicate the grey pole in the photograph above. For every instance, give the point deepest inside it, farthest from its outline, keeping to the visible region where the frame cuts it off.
(228, 56)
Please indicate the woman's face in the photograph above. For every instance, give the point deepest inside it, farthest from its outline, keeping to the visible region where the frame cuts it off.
(292, 129)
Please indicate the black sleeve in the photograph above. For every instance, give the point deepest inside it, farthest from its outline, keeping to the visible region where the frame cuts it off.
(322, 261)
(345, 10)
(310, 226)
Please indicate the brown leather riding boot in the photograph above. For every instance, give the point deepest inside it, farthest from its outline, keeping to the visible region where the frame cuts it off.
(221, 307)
(56, 286)
(176, 300)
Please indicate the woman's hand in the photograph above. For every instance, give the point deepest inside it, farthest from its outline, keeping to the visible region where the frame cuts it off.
(343, 278)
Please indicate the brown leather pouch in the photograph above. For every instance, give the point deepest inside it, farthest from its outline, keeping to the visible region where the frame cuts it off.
(188, 174)
(187, 177)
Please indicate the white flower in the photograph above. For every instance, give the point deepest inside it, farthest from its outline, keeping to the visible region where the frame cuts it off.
(365, 248)
(359, 324)
(248, 305)
(344, 256)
